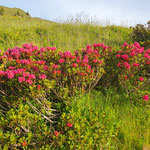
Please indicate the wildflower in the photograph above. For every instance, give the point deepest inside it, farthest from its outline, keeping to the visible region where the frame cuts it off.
(1, 72)
(58, 71)
(94, 60)
(43, 76)
(119, 65)
(55, 66)
(10, 75)
(135, 64)
(125, 57)
(125, 77)
(24, 143)
(85, 60)
(146, 97)
(21, 79)
(74, 65)
(31, 76)
(25, 74)
(118, 55)
(56, 133)
(61, 60)
(69, 125)
(29, 81)
(141, 79)
(38, 87)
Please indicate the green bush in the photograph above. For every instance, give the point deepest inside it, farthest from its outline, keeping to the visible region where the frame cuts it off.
(85, 129)
(142, 35)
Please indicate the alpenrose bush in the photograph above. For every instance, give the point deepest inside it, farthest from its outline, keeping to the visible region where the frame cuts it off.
(40, 78)
(85, 129)
(133, 65)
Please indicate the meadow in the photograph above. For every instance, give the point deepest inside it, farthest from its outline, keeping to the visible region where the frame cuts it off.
(107, 117)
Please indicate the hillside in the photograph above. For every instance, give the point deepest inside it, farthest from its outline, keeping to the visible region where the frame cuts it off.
(16, 30)
(13, 12)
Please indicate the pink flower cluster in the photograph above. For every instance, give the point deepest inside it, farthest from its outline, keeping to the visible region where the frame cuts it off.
(132, 60)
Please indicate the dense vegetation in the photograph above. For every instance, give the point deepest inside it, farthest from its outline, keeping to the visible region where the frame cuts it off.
(77, 96)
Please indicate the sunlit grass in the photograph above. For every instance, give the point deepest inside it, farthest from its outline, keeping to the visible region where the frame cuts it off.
(133, 120)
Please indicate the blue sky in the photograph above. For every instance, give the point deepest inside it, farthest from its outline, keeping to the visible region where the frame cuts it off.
(119, 12)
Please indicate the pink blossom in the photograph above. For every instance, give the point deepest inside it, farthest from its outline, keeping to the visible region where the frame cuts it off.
(25, 74)
(31, 76)
(118, 55)
(45, 67)
(141, 79)
(85, 60)
(135, 64)
(74, 65)
(29, 81)
(10, 75)
(55, 66)
(95, 60)
(100, 62)
(146, 97)
(125, 57)
(38, 87)
(69, 125)
(88, 46)
(119, 65)
(61, 60)
(56, 133)
(58, 71)
(42, 76)
(21, 79)
(2, 72)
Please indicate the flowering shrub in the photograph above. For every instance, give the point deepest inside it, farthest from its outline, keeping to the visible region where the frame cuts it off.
(41, 78)
(133, 62)
(86, 129)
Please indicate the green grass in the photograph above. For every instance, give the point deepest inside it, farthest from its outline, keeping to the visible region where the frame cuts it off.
(133, 120)
(15, 31)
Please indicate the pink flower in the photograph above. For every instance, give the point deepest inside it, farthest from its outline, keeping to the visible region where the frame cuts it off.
(146, 97)
(74, 65)
(125, 57)
(118, 55)
(10, 75)
(61, 60)
(1, 72)
(31, 76)
(56, 133)
(54, 72)
(119, 65)
(94, 60)
(128, 66)
(69, 125)
(141, 79)
(88, 46)
(21, 79)
(38, 87)
(29, 81)
(25, 74)
(125, 77)
(55, 66)
(85, 60)
(100, 62)
(135, 64)
(58, 71)
(42, 76)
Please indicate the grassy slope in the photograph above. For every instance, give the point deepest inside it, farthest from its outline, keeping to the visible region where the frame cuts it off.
(134, 120)
(13, 11)
(15, 31)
